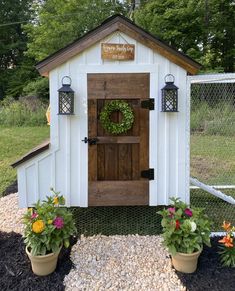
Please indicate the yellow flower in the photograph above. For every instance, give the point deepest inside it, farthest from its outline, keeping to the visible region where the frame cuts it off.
(56, 200)
(38, 226)
(50, 221)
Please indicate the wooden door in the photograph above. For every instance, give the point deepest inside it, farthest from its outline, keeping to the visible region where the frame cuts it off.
(116, 161)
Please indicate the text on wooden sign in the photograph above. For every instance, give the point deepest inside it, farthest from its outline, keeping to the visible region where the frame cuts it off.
(114, 51)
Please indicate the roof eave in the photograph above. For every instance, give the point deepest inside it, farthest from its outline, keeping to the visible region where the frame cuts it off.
(109, 26)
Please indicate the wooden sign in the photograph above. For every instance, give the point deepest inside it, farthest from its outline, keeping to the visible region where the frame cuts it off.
(120, 52)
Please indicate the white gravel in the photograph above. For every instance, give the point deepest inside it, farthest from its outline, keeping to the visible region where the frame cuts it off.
(11, 214)
(130, 262)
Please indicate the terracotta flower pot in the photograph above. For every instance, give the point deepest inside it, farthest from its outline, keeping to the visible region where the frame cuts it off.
(43, 265)
(186, 263)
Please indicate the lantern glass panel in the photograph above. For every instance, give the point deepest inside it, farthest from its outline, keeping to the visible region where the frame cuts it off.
(170, 100)
(66, 103)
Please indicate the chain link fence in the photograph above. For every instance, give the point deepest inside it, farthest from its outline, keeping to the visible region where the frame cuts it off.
(213, 146)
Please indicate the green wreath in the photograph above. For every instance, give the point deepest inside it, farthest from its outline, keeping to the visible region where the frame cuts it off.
(114, 127)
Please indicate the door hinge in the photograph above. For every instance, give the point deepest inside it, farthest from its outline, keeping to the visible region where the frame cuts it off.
(148, 174)
(148, 104)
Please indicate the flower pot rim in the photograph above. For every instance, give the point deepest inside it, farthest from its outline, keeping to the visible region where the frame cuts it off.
(187, 254)
(47, 255)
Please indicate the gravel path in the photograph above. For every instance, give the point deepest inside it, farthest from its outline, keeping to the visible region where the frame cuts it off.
(130, 262)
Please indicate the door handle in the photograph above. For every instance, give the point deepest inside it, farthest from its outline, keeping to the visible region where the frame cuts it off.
(90, 141)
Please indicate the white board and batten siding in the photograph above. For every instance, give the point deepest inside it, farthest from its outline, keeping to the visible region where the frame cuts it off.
(65, 165)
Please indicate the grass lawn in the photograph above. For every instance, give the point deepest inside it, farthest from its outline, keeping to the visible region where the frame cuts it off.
(213, 159)
(15, 142)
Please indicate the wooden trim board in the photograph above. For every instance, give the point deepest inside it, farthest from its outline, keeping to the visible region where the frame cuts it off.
(112, 24)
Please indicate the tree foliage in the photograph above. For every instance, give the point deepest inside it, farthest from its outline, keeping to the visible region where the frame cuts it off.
(60, 22)
(14, 66)
(203, 29)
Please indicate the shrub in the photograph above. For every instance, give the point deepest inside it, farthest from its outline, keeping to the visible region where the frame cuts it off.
(219, 120)
(27, 111)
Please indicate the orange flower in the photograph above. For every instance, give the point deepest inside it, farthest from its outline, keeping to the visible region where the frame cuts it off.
(227, 241)
(226, 226)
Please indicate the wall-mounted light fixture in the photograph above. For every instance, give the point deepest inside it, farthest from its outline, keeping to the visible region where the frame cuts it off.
(66, 97)
(170, 95)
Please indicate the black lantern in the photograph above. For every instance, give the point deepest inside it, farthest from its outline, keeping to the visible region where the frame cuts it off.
(170, 95)
(66, 97)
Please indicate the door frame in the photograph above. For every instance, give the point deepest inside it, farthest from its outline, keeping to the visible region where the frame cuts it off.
(154, 92)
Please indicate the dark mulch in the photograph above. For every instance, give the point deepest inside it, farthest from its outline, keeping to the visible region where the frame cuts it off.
(210, 275)
(13, 188)
(16, 274)
(15, 268)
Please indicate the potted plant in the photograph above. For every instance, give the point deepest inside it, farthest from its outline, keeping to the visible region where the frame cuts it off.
(48, 226)
(185, 230)
(227, 247)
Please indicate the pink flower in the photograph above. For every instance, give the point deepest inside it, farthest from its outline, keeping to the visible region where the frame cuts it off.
(58, 222)
(188, 212)
(34, 215)
(172, 211)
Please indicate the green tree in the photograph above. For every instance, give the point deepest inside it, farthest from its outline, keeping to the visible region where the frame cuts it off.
(14, 66)
(203, 29)
(222, 33)
(60, 22)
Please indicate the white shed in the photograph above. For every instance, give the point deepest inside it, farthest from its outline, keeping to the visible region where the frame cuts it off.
(148, 161)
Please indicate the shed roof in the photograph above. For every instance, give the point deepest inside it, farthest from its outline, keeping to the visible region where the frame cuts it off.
(110, 25)
(32, 153)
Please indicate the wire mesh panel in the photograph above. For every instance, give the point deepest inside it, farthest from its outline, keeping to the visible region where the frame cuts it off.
(213, 145)
(122, 220)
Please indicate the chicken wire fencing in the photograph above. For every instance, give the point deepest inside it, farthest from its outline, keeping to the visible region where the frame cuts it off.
(212, 162)
(212, 145)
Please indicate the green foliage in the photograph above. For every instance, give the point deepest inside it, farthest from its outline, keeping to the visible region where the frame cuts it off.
(60, 22)
(27, 111)
(203, 29)
(227, 248)
(127, 117)
(15, 67)
(211, 120)
(38, 87)
(48, 226)
(185, 230)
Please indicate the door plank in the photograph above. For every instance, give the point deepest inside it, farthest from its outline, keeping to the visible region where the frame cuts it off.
(111, 162)
(92, 132)
(125, 162)
(114, 193)
(118, 139)
(144, 139)
(118, 86)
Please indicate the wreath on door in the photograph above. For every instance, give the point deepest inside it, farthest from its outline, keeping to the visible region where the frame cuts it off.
(127, 117)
